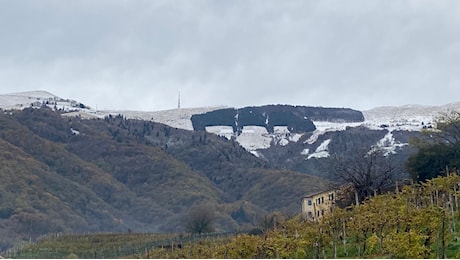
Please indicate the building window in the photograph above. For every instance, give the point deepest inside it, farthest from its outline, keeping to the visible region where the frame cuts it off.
(322, 199)
(331, 196)
(309, 203)
(318, 213)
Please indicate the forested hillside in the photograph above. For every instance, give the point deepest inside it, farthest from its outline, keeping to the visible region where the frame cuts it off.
(297, 118)
(74, 175)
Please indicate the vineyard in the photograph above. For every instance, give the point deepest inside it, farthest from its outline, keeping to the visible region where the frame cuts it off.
(106, 245)
(415, 221)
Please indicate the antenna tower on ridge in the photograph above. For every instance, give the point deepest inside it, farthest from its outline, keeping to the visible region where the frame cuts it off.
(178, 100)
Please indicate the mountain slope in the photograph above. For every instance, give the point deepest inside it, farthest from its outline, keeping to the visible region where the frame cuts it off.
(36, 200)
(67, 167)
(115, 174)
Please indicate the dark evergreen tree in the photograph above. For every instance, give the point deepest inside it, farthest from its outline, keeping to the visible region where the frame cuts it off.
(438, 149)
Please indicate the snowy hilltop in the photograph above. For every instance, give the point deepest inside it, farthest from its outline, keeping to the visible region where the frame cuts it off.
(20, 100)
(251, 136)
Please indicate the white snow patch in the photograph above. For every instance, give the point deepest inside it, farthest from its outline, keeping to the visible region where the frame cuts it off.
(408, 117)
(257, 137)
(305, 151)
(281, 130)
(283, 142)
(281, 135)
(248, 130)
(36, 99)
(388, 144)
(82, 114)
(226, 131)
(75, 132)
(179, 117)
(322, 154)
(255, 153)
(254, 137)
(321, 151)
(295, 137)
(323, 127)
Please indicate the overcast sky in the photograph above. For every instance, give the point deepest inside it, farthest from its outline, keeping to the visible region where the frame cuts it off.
(138, 55)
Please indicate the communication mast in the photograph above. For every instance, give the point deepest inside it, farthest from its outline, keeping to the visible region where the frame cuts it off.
(178, 100)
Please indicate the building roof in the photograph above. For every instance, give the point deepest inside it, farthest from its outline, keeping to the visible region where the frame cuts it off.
(317, 193)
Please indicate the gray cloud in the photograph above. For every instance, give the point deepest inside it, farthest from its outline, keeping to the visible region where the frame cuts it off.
(357, 54)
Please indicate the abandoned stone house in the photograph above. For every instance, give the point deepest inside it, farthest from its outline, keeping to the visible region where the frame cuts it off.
(315, 206)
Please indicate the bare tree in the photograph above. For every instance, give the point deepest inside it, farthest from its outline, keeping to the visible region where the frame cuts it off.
(199, 220)
(447, 128)
(272, 221)
(367, 171)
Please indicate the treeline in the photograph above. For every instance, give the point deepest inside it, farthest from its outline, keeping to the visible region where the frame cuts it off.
(297, 118)
(437, 149)
(416, 221)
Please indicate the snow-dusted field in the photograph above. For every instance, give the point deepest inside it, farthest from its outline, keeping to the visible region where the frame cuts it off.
(222, 130)
(324, 127)
(24, 99)
(179, 118)
(21, 100)
(408, 117)
(254, 137)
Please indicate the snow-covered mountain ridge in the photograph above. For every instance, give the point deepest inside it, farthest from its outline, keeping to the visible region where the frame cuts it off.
(179, 118)
(253, 138)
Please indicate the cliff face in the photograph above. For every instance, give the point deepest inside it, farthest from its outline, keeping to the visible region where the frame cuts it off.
(298, 119)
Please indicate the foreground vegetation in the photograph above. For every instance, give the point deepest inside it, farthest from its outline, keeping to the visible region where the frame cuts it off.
(418, 221)
(128, 245)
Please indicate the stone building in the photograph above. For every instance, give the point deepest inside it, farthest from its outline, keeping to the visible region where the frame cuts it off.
(317, 205)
